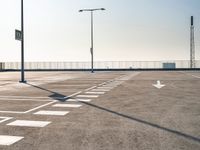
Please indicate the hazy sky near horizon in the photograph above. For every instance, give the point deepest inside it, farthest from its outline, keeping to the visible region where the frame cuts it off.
(129, 30)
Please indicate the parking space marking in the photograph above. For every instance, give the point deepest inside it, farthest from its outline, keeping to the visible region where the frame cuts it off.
(13, 112)
(90, 88)
(18, 99)
(5, 119)
(54, 113)
(76, 100)
(6, 140)
(104, 87)
(67, 105)
(28, 123)
(40, 107)
(95, 92)
(100, 90)
(71, 85)
(23, 97)
(88, 96)
(108, 85)
(196, 76)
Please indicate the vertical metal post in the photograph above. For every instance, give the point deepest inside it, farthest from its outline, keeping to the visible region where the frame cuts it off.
(192, 44)
(92, 44)
(22, 43)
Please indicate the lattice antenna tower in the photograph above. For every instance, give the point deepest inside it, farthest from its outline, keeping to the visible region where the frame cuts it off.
(192, 44)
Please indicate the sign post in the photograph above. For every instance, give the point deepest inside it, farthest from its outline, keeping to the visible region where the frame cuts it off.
(19, 35)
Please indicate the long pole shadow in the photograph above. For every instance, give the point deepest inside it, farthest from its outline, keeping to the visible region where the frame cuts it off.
(187, 136)
(55, 95)
(64, 98)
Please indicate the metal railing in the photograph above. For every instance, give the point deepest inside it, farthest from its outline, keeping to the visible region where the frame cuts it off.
(176, 64)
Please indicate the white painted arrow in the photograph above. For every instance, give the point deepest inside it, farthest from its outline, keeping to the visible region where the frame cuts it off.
(158, 85)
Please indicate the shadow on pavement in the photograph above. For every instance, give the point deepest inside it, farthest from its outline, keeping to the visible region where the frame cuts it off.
(146, 123)
(54, 95)
(63, 98)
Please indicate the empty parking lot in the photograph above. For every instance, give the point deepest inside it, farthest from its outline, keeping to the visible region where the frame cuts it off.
(100, 111)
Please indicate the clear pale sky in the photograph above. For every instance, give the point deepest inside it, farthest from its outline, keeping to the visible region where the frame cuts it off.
(128, 30)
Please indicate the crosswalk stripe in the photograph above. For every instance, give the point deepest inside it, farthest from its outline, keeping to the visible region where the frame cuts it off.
(101, 90)
(80, 100)
(28, 123)
(7, 140)
(88, 96)
(53, 113)
(67, 105)
(95, 92)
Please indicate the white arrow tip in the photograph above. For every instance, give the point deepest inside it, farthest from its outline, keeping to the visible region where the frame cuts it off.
(158, 85)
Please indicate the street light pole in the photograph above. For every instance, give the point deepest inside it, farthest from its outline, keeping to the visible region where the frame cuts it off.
(92, 44)
(92, 35)
(22, 43)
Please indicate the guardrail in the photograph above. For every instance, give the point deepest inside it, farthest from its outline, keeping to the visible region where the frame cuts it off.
(106, 65)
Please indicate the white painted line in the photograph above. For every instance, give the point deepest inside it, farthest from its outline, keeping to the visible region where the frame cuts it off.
(101, 90)
(196, 76)
(90, 88)
(50, 103)
(18, 99)
(88, 96)
(78, 100)
(23, 97)
(40, 107)
(67, 105)
(71, 85)
(73, 94)
(102, 83)
(6, 140)
(54, 113)
(13, 112)
(107, 87)
(27, 123)
(95, 92)
(5, 119)
(158, 85)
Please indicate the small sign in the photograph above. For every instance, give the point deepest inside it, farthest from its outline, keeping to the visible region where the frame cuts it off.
(18, 35)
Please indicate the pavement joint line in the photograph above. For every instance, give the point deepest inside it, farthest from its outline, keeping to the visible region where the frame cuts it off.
(29, 123)
(53, 113)
(6, 140)
(67, 105)
(5, 119)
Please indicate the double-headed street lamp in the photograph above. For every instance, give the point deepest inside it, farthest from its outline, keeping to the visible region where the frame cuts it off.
(92, 45)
